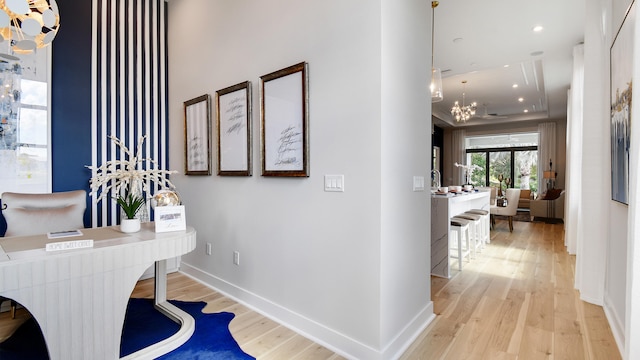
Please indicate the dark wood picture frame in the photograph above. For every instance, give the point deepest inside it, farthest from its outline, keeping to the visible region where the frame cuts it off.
(233, 121)
(197, 136)
(284, 122)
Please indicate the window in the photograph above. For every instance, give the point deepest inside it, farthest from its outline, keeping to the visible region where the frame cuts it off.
(514, 156)
(24, 125)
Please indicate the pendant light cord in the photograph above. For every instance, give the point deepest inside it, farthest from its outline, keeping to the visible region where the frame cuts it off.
(433, 29)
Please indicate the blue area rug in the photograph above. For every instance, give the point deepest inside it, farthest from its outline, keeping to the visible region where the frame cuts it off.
(143, 326)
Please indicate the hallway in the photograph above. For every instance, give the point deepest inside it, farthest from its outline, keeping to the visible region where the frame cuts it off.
(516, 300)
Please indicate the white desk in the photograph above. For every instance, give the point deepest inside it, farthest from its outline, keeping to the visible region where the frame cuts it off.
(79, 297)
(443, 208)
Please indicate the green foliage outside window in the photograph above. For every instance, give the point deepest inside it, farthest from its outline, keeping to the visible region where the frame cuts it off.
(525, 168)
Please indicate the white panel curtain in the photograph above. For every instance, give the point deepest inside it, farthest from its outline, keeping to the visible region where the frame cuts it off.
(459, 155)
(574, 145)
(546, 151)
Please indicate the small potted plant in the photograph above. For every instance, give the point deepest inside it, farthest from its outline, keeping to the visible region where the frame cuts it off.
(127, 181)
(130, 205)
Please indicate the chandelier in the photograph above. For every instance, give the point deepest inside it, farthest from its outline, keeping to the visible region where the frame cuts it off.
(436, 74)
(28, 25)
(463, 113)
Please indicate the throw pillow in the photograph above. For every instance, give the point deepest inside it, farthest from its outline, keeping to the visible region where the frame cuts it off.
(552, 194)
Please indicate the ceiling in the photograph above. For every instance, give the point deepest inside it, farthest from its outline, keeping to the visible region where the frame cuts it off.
(491, 45)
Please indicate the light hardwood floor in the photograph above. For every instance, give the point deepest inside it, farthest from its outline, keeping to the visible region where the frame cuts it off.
(514, 301)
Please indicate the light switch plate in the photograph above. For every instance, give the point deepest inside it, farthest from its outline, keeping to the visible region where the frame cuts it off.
(334, 183)
(418, 183)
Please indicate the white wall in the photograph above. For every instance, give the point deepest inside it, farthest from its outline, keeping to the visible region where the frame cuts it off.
(615, 291)
(406, 144)
(631, 315)
(605, 271)
(350, 270)
(595, 173)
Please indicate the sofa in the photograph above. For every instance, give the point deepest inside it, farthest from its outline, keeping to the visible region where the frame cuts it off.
(549, 205)
(525, 199)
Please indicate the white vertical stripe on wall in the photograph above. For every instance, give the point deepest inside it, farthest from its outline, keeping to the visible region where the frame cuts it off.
(128, 86)
(147, 72)
(139, 67)
(130, 78)
(163, 90)
(154, 36)
(103, 98)
(111, 90)
(94, 108)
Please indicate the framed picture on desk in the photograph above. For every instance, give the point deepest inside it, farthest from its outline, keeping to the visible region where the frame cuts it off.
(170, 218)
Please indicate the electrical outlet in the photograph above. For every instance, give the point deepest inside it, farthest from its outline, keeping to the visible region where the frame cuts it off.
(236, 257)
(209, 247)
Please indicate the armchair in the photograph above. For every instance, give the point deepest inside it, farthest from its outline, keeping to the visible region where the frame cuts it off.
(549, 205)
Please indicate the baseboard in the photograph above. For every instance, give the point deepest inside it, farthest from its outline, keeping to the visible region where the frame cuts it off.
(591, 300)
(617, 326)
(314, 331)
(410, 333)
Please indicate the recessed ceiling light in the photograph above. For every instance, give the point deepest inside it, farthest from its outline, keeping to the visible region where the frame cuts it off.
(514, 86)
(538, 28)
(526, 110)
(537, 53)
(506, 66)
(521, 99)
(457, 40)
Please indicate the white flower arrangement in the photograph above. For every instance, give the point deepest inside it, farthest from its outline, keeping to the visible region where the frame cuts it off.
(468, 170)
(114, 174)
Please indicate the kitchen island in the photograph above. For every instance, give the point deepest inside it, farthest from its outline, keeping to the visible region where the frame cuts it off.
(443, 208)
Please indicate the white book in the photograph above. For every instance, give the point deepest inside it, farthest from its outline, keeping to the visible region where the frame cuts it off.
(63, 234)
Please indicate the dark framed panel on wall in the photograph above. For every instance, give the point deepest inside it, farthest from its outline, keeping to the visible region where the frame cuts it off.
(621, 103)
(284, 122)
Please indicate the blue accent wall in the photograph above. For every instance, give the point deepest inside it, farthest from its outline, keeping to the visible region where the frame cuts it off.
(71, 99)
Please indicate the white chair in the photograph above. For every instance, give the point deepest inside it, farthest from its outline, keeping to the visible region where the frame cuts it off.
(510, 210)
(30, 214)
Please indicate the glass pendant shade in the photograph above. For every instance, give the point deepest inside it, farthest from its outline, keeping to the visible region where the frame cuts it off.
(436, 85)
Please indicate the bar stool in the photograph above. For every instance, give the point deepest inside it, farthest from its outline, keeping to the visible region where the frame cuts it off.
(460, 227)
(486, 224)
(475, 230)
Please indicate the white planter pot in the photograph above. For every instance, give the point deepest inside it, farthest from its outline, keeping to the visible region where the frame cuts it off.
(130, 225)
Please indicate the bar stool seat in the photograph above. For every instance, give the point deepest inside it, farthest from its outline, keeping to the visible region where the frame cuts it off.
(486, 226)
(460, 227)
(475, 231)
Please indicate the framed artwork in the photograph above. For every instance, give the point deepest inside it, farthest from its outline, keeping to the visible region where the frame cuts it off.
(621, 102)
(233, 117)
(197, 136)
(284, 122)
